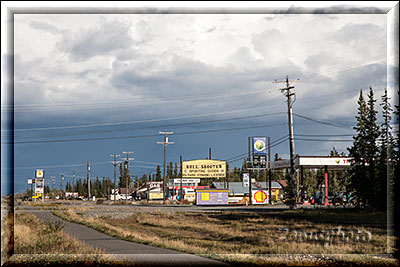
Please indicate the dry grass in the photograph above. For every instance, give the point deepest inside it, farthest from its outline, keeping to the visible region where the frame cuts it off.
(245, 238)
(38, 243)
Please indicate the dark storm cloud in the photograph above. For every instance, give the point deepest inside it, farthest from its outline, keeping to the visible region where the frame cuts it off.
(101, 40)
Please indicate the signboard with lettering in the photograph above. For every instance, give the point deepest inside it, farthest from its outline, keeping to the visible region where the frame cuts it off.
(204, 169)
(246, 179)
(259, 161)
(156, 196)
(212, 196)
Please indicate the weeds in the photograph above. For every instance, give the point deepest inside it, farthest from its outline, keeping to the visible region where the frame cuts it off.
(230, 235)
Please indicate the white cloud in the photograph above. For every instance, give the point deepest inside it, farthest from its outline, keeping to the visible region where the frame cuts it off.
(88, 58)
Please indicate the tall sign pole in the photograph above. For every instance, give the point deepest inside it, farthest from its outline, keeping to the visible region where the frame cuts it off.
(165, 143)
(289, 95)
(39, 183)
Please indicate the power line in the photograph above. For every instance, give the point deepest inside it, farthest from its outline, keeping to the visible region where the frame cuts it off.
(323, 140)
(138, 136)
(44, 107)
(322, 135)
(321, 122)
(132, 122)
(171, 125)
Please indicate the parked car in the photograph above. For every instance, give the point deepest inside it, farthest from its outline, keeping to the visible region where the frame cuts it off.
(26, 198)
(340, 198)
(123, 197)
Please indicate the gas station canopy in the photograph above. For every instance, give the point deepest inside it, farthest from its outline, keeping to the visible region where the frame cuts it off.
(314, 162)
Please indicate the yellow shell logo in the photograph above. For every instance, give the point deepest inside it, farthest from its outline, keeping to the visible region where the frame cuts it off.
(260, 196)
(337, 161)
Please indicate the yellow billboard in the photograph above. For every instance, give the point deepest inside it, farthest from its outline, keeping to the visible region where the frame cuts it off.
(204, 168)
(156, 196)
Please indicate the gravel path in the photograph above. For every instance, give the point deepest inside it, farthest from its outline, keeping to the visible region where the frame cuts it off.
(132, 252)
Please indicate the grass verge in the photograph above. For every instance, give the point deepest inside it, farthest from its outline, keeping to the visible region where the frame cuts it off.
(248, 238)
(38, 243)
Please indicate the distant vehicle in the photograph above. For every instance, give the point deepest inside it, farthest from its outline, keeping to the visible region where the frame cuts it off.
(340, 198)
(26, 198)
(123, 197)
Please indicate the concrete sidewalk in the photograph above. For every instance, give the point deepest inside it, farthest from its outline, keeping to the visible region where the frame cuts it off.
(133, 253)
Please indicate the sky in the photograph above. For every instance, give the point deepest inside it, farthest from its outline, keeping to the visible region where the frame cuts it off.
(90, 85)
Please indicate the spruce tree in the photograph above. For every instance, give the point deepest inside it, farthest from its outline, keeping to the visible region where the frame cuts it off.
(358, 169)
(158, 174)
(176, 170)
(385, 155)
(372, 152)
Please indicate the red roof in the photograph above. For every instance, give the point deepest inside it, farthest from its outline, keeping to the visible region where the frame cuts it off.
(282, 182)
(122, 190)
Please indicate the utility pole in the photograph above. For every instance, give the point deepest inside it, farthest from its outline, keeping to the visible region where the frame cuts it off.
(289, 95)
(165, 143)
(126, 163)
(181, 174)
(227, 175)
(73, 179)
(62, 179)
(115, 162)
(269, 171)
(88, 177)
(209, 153)
(53, 179)
(249, 169)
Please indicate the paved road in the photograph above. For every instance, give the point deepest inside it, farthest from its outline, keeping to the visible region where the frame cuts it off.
(132, 252)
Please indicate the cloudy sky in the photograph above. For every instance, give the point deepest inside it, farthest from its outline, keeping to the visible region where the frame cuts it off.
(89, 85)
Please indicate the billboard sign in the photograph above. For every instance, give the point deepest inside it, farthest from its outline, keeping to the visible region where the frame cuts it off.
(259, 145)
(212, 196)
(204, 168)
(246, 179)
(156, 196)
(259, 196)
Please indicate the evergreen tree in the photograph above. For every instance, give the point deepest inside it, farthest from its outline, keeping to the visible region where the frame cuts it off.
(158, 174)
(80, 188)
(124, 178)
(372, 150)
(358, 170)
(170, 170)
(176, 170)
(385, 153)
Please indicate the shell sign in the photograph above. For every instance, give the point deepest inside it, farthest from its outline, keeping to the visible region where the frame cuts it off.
(39, 173)
(260, 197)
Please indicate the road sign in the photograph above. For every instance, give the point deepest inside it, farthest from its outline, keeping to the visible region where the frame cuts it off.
(246, 179)
(29, 181)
